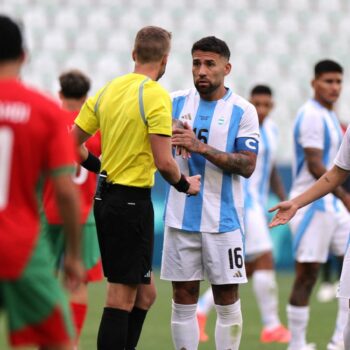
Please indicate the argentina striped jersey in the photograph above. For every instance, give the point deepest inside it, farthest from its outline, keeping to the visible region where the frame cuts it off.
(256, 188)
(219, 205)
(315, 127)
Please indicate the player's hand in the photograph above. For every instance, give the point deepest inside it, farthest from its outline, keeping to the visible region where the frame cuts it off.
(186, 138)
(74, 273)
(195, 184)
(286, 210)
(180, 150)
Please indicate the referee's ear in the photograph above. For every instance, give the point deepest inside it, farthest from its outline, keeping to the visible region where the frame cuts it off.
(133, 55)
(165, 59)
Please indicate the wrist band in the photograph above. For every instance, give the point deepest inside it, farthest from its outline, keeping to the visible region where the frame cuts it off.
(92, 163)
(182, 185)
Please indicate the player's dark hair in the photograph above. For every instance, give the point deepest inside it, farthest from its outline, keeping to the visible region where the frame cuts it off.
(74, 84)
(212, 44)
(327, 66)
(151, 44)
(11, 39)
(261, 90)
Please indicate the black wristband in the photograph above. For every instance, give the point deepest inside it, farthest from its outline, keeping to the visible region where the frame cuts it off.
(92, 163)
(182, 185)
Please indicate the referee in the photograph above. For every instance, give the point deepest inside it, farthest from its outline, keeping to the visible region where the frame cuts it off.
(133, 113)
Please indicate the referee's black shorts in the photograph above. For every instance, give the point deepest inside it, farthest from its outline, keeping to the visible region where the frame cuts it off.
(125, 227)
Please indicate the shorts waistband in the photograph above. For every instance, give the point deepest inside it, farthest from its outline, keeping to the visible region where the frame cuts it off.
(128, 192)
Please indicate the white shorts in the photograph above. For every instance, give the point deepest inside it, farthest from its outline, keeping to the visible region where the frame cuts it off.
(257, 235)
(190, 256)
(344, 285)
(316, 233)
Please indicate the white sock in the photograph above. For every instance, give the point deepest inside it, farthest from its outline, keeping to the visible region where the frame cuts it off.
(184, 326)
(228, 329)
(265, 289)
(342, 316)
(298, 318)
(205, 302)
(347, 331)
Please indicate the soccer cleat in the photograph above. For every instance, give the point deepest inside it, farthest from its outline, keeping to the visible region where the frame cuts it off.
(280, 334)
(335, 346)
(202, 321)
(326, 293)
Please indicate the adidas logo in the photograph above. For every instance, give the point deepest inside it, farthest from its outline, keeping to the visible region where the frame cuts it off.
(148, 274)
(237, 274)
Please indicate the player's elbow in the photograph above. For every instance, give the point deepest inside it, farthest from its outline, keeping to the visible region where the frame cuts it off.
(248, 171)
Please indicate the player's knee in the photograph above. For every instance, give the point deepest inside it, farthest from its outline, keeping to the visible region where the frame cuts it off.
(225, 294)
(185, 294)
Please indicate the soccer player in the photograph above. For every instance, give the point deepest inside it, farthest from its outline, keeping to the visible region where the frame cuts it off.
(327, 183)
(204, 234)
(323, 225)
(258, 245)
(133, 113)
(33, 143)
(74, 87)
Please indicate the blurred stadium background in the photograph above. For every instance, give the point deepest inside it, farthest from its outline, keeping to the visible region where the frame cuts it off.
(276, 42)
(272, 41)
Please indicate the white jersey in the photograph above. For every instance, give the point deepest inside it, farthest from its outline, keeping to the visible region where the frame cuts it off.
(222, 124)
(343, 157)
(315, 127)
(256, 188)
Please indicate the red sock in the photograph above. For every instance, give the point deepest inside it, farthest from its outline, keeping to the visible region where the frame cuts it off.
(79, 314)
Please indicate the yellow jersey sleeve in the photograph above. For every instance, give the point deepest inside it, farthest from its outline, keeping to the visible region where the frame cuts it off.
(87, 118)
(158, 109)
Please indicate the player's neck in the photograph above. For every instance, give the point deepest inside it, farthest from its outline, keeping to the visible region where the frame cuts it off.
(71, 105)
(216, 95)
(9, 70)
(323, 103)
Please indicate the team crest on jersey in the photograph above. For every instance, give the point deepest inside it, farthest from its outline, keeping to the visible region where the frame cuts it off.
(221, 120)
(186, 116)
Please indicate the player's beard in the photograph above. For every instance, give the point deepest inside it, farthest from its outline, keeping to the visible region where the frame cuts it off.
(206, 90)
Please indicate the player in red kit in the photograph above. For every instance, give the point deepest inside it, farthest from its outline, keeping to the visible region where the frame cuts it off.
(33, 144)
(74, 86)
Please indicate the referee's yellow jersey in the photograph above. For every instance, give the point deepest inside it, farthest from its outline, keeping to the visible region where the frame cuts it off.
(126, 111)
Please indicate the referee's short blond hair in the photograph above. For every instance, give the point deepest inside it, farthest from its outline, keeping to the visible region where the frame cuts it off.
(151, 44)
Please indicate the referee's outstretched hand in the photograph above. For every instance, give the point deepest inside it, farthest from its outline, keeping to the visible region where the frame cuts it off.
(195, 184)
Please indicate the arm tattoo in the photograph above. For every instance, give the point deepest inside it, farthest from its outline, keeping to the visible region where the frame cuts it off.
(240, 163)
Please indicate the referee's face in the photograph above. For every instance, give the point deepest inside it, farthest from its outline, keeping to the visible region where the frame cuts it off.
(209, 70)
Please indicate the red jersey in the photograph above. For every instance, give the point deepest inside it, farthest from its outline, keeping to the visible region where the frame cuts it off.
(84, 178)
(33, 142)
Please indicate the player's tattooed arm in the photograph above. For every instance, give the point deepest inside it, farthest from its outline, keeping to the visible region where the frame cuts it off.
(240, 163)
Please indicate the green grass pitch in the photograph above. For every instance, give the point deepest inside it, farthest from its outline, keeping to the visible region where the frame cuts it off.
(156, 332)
